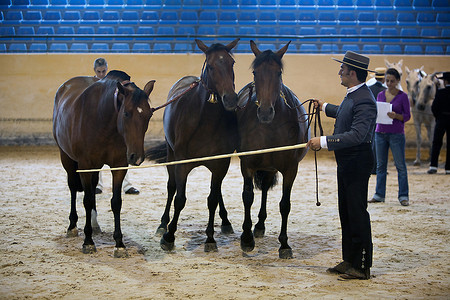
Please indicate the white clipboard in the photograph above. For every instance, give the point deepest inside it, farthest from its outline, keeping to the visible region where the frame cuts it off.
(382, 109)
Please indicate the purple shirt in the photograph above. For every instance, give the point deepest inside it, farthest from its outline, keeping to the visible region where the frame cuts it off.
(400, 105)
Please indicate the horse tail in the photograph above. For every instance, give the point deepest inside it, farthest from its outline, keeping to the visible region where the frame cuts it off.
(157, 153)
(263, 177)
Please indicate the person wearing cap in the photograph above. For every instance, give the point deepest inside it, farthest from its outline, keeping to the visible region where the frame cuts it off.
(441, 111)
(351, 143)
(392, 136)
(377, 88)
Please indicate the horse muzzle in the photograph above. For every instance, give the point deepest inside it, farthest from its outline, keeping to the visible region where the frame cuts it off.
(421, 107)
(265, 116)
(230, 101)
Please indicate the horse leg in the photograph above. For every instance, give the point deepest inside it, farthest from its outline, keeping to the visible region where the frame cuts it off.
(285, 250)
(168, 239)
(171, 189)
(88, 201)
(216, 185)
(260, 227)
(417, 125)
(116, 206)
(74, 183)
(247, 240)
(95, 227)
(430, 132)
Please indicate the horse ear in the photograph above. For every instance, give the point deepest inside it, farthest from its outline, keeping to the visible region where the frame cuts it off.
(118, 100)
(201, 45)
(232, 44)
(149, 87)
(407, 70)
(283, 50)
(254, 48)
(387, 63)
(400, 63)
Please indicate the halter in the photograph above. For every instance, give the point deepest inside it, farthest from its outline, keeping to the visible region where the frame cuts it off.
(212, 94)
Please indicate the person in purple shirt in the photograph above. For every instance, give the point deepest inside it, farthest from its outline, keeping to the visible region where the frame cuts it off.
(392, 136)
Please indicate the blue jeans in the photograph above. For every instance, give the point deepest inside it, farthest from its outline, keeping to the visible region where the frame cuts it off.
(395, 141)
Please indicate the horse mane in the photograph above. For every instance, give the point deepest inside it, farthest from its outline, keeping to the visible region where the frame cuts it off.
(267, 56)
(118, 75)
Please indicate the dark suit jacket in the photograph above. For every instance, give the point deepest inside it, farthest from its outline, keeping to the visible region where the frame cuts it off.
(441, 104)
(355, 120)
(376, 88)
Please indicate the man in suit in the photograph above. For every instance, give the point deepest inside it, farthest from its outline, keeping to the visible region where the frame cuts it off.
(351, 143)
(441, 111)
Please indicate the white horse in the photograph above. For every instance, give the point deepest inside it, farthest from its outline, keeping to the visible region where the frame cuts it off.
(398, 67)
(422, 116)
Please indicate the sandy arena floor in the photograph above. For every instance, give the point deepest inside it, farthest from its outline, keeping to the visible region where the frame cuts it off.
(411, 244)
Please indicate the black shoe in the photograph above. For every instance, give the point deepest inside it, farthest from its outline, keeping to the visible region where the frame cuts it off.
(432, 171)
(353, 273)
(132, 191)
(374, 201)
(341, 268)
(98, 191)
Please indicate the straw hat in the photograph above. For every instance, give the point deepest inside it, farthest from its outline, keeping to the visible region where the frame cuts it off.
(380, 72)
(355, 60)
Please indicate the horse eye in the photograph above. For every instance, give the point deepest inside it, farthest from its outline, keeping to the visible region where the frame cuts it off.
(126, 114)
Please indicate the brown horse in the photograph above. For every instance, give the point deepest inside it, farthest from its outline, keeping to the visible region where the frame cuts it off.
(269, 115)
(200, 123)
(97, 123)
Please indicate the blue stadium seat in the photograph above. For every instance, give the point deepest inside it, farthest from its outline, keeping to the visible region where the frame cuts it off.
(288, 31)
(328, 31)
(243, 47)
(307, 18)
(248, 4)
(440, 4)
(413, 49)
(345, 5)
(387, 19)
(350, 47)
(329, 48)
(208, 18)
(130, 18)
(105, 30)
(2, 48)
(153, 4)
(347, 18)
(443, 19)
(65, 30)
(77, 4)
(90, 17)
(267, 18)
(32, 17)
(162, 48)
(408, 33)
(248, 18)
(287, 4)
(351, 31)
(210, 4)
(182, 48)
(100, 47)
(308, 48)
(168, 18)
(434, 50)
(389, 31)
(327, 18)
(134, 4)
(421, 4)
(120, 47)
(226, 31)
(96, 4)
(141, 48)
(307, 4)
(7, 30)
(268, 4)
(4, 4)
(430, 32)
(287, 18)
(383, 5)
(192, 4)
(58, 47)
(228, 18)
(13, 17)
(165, 31)
(150, 17)
(116, 4)
(267, 30)
(361, 4)
(366, 18)
(445, 33)
(20, 4)
(125, 30)
(79, 47)
(406, 19)
(110, 17)
(145, 30)
(38, 47)
(18, 48)
(230, 4)
(402, 5)
(267, 46)
(71, 17)
(366, 32)
(392, 49)
(58, 4)
(426, 19)
(186, 30)
(247, 31)
(188, 17)
(85, 30)
(371, 49)
(25, 30)
(45, 30)
(325, 4)
(206, 30)
(447, 51)
(51, 17)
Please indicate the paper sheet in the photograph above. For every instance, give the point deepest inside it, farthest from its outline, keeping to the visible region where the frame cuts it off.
(382, 109)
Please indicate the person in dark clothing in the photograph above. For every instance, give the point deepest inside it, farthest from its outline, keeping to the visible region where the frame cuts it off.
(351, 143)
(376, 88)
(441, 111)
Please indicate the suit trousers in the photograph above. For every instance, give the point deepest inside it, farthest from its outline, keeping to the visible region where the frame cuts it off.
(354, 166)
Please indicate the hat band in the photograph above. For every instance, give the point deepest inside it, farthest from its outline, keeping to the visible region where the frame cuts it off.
(355, 63)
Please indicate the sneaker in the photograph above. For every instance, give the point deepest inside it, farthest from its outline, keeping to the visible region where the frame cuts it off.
(373, 200)
(404, 202)
(432, 170)
(447, 172)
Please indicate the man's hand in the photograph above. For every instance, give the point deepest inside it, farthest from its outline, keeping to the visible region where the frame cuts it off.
(318, 103)
(314, 143)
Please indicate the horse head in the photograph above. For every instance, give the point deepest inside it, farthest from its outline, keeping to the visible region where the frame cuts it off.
(398, 67)
(427, 91)
(413, 78)
(218, 73)
(267, 70)
(134, 113)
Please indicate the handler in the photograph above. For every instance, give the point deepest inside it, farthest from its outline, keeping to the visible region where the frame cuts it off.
(351, 143)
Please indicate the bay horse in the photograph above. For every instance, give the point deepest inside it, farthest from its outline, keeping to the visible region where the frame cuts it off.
(96, 123)
(200, 123)
(421, 116)
(269, 115)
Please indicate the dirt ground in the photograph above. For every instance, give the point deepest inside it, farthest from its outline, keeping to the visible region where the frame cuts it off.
(37, 260)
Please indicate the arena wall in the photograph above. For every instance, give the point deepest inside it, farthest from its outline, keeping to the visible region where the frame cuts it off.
(29, 82)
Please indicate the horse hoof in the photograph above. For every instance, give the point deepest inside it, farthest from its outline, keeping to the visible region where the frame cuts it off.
(96, 230)
(226, 229)
(165, 245)
(88, 249)
(211, 247)
(72, 232)
(120, 252)
(258, 232)
(247, 247)
(160, 231)
(416, 163)
(285, 253)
